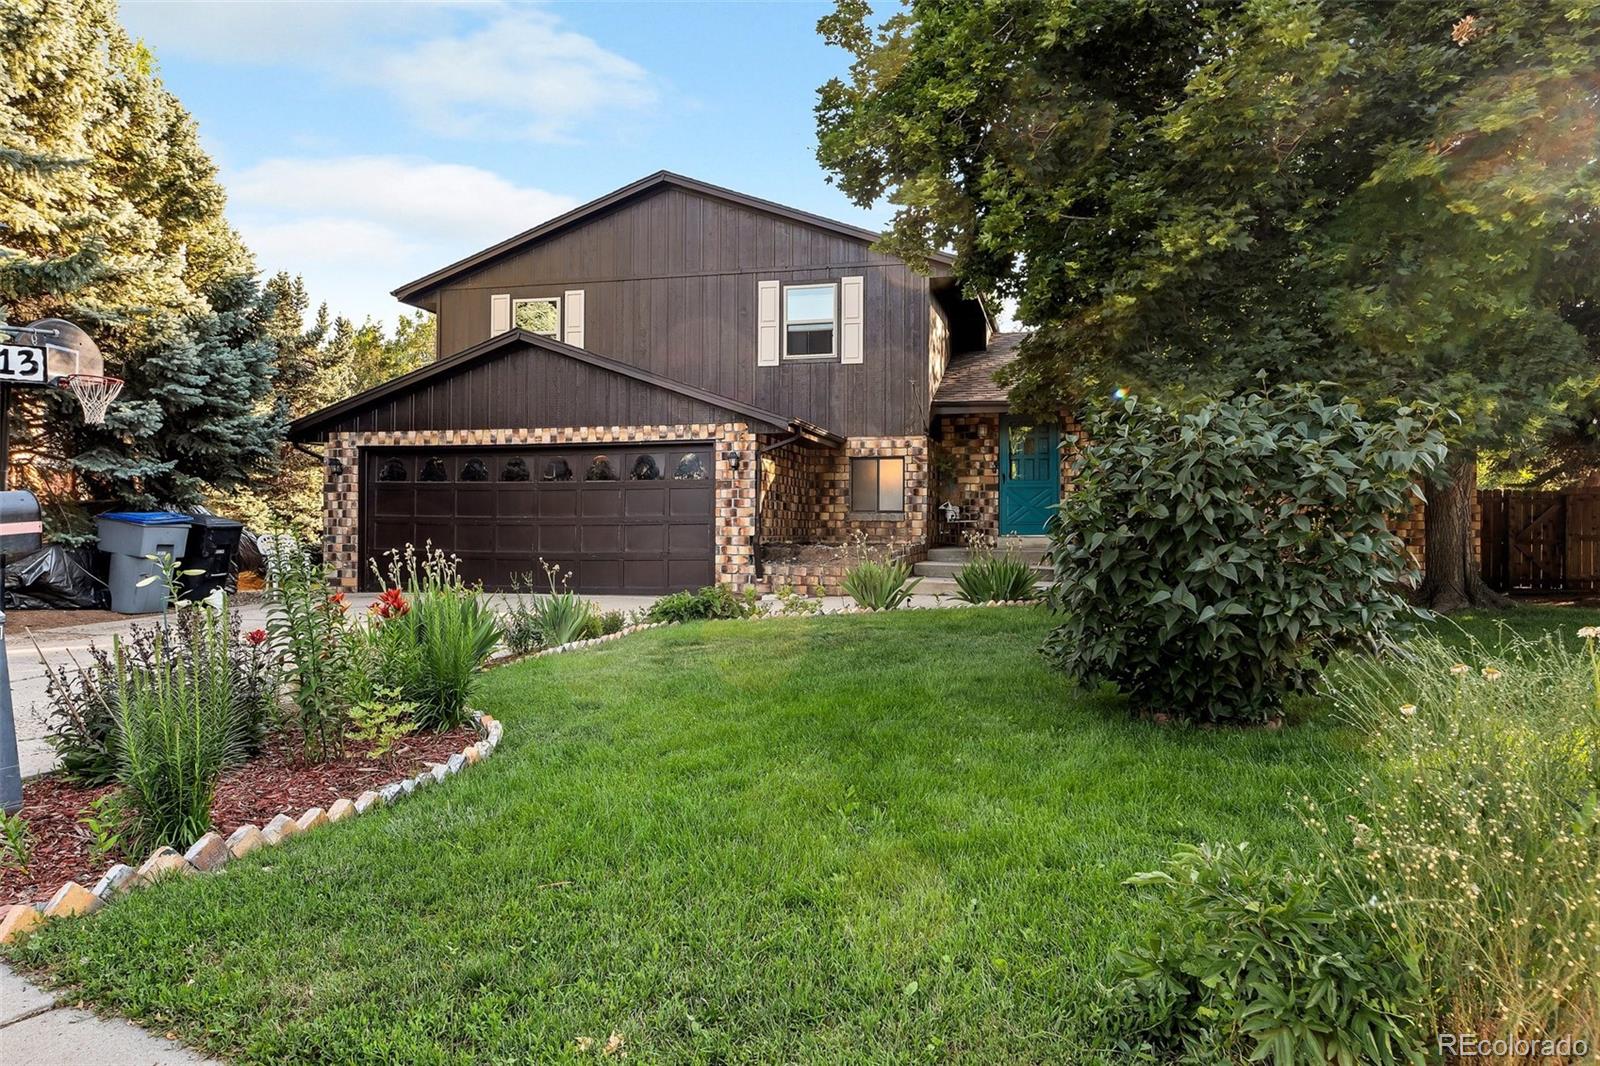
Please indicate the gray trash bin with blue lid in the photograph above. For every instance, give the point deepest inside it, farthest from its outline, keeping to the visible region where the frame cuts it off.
(129, 537)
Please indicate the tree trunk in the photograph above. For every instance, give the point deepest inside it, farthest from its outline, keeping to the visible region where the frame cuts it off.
(1452, 581)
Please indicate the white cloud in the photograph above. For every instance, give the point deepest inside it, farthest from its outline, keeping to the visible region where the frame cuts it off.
(357, 226)
(472, 70)
(522, 74)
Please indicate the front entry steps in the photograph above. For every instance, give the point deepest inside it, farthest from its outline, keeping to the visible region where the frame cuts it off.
(939, 570)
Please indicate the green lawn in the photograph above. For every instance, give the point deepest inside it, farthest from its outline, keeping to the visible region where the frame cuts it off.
(887, 838)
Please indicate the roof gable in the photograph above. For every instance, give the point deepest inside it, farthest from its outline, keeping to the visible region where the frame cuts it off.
(308, 426)
(416, 292)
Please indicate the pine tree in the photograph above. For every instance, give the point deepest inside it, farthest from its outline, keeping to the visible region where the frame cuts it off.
(111, 217)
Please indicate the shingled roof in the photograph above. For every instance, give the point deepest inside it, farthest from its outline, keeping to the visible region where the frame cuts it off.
(969, 379)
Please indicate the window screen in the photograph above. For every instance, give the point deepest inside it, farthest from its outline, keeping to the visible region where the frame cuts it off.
(542, 316)
(877, 484)
(808, 317)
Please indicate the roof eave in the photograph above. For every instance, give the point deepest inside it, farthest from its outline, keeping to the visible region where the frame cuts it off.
(970, 407)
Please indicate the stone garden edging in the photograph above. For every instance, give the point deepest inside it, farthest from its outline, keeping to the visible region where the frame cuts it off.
(507, 658)
(213, 851)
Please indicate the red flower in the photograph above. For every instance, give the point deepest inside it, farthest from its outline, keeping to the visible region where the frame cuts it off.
(391, 604)
(256, 636)
(337, 600)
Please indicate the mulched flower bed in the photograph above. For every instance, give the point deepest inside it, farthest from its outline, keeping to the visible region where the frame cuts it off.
(275, 782)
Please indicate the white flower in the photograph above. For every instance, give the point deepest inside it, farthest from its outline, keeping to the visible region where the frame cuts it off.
(1491, 674)
(1589, 632)
(1460, 670)
(1408, 709)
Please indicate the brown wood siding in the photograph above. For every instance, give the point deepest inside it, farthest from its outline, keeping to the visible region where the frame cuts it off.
(669, 285)
(526, 386)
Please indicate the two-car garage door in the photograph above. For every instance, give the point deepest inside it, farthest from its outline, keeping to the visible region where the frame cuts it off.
(621, 519)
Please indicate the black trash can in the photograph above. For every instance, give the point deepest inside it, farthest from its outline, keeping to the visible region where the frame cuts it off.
(212, 542)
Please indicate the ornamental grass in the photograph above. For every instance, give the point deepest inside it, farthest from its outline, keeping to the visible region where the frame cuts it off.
(1475, 843)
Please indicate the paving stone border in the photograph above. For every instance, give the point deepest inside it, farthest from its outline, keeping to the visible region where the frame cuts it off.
(213, 851)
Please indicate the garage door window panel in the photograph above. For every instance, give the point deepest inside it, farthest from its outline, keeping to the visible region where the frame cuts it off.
(645, 467)
(690, 467)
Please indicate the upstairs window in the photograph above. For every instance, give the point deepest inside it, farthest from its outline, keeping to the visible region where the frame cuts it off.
(810, 315)
(541, 316)
(878, 485)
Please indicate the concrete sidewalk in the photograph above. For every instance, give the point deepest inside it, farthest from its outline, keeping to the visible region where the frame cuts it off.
(35, 1028)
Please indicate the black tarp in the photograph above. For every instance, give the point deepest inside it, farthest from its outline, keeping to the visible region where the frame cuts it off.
(56, 578)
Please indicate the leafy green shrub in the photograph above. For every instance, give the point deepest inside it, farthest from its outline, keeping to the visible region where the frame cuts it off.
(434, 633)
(602, 623)
(990, 575)
(793, 602)
(880, 586)
(1247, 962)
(382, 722)
(105, 822)
(1478, 831)
(1213, 557)
(712, 601)
(177, 729)
(522, 631)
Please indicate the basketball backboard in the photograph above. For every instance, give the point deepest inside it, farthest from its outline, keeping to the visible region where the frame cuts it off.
(69, 351)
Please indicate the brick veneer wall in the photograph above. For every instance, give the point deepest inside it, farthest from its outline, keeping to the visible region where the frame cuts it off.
(806, 493)
(968, 451)
(968, 463)
(733, 525)
(805, 500)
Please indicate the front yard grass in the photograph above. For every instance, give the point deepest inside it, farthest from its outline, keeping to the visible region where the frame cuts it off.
(888, 838)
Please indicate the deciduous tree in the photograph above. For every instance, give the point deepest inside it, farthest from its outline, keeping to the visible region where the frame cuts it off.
(1399, 197)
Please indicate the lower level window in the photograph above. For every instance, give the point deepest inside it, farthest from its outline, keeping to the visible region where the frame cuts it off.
(877, 484)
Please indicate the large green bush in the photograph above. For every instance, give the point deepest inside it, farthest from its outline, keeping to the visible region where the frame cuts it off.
(1213, 556)
(1249, 961)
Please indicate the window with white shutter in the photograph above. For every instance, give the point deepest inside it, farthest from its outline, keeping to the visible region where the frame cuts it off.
(572, 322)
(851, 298)
(767, 323)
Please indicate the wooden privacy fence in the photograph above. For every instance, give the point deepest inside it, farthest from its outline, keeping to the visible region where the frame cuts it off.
(1540, 541)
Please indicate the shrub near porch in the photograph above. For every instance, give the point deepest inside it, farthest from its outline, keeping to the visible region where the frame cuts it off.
(875, 838)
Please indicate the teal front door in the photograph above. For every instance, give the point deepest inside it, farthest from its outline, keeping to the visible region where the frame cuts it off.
(1030, 475)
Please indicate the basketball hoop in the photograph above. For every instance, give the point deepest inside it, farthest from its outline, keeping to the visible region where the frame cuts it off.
(95, 393)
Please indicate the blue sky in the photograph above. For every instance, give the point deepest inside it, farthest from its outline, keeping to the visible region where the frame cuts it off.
(365, 144)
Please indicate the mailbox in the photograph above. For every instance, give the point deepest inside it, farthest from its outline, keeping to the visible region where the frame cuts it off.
(21, 529)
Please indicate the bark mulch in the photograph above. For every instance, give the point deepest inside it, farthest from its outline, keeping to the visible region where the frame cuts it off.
(275, 782)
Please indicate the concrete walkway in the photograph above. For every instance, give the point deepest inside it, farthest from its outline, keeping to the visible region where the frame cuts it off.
(35, 1028)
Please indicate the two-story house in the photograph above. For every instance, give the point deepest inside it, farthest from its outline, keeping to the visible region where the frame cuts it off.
(677, 384)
